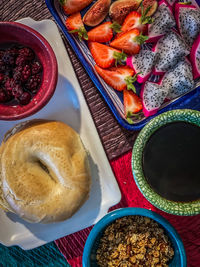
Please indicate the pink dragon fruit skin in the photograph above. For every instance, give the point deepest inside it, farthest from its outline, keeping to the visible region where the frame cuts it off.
(171, 2)
(195, 58)
(188, 21)
(142, 63)
(163, 22)
(153, 95)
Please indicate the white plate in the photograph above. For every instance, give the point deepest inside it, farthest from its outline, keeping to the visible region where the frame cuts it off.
(67, 105)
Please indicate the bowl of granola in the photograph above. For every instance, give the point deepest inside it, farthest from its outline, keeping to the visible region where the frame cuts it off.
(133, 237)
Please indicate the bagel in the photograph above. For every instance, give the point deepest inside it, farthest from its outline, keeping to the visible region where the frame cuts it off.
(44, 171)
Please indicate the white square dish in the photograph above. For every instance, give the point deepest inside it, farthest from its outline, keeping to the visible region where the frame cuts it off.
(67, 105)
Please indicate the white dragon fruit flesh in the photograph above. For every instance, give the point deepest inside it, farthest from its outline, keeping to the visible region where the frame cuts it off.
(163, 22)
(153, 96)
(178, 80)
(169, 50)
(142, 63)
(195, 58)
(188, 22)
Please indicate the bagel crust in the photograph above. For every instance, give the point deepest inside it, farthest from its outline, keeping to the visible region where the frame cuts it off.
(44, 172)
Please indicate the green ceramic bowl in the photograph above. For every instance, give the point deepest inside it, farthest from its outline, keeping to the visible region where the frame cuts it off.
(176, 208)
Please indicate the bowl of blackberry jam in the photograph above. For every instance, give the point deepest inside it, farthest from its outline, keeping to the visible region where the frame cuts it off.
(28, 71)
(165, 162)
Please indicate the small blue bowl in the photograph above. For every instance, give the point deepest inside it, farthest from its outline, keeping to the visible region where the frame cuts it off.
(92, 243)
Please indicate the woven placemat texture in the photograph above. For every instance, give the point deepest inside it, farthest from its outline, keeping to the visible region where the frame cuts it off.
(115, 139)
(45, 256)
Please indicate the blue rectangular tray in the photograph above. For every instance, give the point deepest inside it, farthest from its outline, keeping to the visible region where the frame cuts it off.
(114, 99)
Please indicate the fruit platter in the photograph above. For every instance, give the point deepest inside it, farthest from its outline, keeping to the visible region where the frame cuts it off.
(143, 56)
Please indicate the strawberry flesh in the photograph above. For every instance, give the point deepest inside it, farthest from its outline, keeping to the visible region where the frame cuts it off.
(103, 55)
(115, 76)
(75, 25)
(102, 33)
(127, 43)
(132, 103)
(133, 21)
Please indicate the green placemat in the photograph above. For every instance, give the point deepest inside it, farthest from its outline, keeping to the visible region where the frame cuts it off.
(47, 255)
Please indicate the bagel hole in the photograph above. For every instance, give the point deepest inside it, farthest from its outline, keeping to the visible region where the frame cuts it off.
(44, 167)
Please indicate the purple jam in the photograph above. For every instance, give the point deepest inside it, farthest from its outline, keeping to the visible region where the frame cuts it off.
(20, 74)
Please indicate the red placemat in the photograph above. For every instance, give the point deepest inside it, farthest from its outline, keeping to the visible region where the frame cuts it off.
(188, 227)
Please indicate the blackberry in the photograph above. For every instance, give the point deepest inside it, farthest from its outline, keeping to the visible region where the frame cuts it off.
(27, 53)
(36, 67)
(21, 60)
(26, 72)
(17, 74)
(13, 51)
(17, 91)
(25, 98)
(3, 96)
(33, 83)
(1, 77)
(9, 85)
(8, 58)
(8, 72)
(2, 66)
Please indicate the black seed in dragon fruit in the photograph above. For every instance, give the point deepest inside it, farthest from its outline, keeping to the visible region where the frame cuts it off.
(179, 80)
(163, 22)
(153, 96)
(142, 63)
(188, 22)
(169, 50)
(195, 58)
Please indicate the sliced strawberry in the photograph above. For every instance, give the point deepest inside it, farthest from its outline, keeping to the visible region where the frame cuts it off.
(73, 6)
(132, 21)
(129, 41)
(106, 56)
(136, 20)
(102, 33)
(116, 76)
(75, 25)
(132, 104)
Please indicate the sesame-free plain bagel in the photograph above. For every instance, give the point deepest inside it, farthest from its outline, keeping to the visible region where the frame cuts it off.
(44, 171)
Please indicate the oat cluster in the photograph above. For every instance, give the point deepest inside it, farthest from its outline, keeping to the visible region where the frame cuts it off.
(134, 241)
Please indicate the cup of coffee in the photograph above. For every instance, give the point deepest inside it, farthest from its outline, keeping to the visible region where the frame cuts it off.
(165, 162)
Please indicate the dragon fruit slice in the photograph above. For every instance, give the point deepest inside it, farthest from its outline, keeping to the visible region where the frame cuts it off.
(188, 21)
(178, 80)
(169, 50)
(142, 63)
(153, 96)
(163, 22)
(195, 58)
(171, 2)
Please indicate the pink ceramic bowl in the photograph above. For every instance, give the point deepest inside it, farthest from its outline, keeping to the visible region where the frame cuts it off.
(24, 35)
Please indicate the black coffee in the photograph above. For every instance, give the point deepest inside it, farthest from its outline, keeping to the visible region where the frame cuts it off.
(171, 161)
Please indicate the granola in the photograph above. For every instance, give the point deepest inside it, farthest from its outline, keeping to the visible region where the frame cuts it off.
(134, 241)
